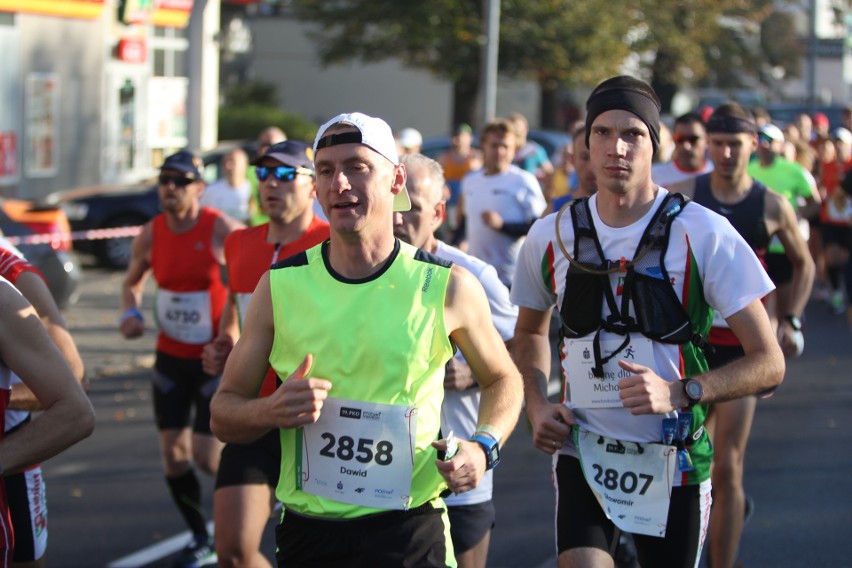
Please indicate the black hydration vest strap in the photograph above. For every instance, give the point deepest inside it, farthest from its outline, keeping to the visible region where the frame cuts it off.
(649, 253)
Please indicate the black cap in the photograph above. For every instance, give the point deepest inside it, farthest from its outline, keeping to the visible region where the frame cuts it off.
(185, 161)
(290, 153)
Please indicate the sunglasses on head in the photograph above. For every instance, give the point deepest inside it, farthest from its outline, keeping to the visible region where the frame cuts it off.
(280, 173)
(179, 181)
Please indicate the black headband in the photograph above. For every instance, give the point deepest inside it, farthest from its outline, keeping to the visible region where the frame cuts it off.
(625, 93)
(342, 138)
(727, 124)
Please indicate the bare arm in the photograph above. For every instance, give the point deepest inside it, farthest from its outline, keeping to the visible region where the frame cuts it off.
(37, 293)
(811, 207)
(224, 226)
(471, 328)
(550, 422)
(796, 249)
(237, 415)
(761, 369)
(468, 319)
(28, 351)
(216, 352)
(134, 282)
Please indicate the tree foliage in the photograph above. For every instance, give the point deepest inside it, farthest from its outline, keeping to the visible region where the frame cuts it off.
(677, 40)
(559, 43)
(555, 42)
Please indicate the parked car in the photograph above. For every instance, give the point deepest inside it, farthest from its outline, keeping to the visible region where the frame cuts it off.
(551, 140)
(24, 224)
(123, 205)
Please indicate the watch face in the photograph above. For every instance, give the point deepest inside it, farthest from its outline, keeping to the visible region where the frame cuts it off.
(694, 390)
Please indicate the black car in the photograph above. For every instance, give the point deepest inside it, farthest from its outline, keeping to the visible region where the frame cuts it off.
(113, 206)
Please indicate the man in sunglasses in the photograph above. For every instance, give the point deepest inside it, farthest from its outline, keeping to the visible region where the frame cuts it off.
(248, 473)
(359, 329)
(689, 158)
(184, 249)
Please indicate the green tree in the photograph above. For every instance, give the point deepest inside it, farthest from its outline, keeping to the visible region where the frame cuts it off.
(561, 44)
(721, 43)
(441, 36)
(250, 107)
(555, 42)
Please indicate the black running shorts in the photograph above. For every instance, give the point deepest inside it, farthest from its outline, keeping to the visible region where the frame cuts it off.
(581, 522)
(469, 524)
(256, 463)
(178, 384)
(417, 537)
(779, 267)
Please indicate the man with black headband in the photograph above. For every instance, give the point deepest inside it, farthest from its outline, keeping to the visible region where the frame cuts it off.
(757, 213)
(631, 450)
(358, 330)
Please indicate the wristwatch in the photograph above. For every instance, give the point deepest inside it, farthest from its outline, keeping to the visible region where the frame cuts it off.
(794, 322)
(693, 390)
(490, 446)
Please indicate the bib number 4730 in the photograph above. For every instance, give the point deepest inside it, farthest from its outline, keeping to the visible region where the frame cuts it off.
(628, 481)
(344, 448)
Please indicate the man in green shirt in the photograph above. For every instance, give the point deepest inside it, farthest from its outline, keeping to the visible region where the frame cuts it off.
(359, 329)
(798, 186)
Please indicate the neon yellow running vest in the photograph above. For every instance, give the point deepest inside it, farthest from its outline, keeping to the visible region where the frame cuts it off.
(380, 339)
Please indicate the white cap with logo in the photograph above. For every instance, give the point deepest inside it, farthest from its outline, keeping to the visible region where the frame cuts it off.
(372, 132)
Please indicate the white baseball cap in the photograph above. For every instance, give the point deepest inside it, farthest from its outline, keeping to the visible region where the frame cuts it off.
(372, 132)
(772, 132)
(842, 134)
(410, 138)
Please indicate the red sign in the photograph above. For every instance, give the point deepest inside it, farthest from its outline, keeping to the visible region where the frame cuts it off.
(131, 50)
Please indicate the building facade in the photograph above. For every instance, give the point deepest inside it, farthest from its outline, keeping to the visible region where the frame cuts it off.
(91, 91)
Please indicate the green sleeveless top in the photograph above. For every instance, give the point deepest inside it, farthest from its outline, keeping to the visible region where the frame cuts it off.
(380, 339)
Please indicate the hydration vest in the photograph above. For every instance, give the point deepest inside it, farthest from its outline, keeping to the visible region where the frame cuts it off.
(659, 314)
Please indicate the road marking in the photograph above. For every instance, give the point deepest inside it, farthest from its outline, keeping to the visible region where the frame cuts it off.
(156, 551)
(165, 548)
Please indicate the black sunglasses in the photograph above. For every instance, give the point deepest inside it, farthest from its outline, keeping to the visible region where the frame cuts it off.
(179, 181)
(281, 173)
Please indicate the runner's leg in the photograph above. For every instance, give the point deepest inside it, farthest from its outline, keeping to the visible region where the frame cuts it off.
(241, 513)
(733, 421)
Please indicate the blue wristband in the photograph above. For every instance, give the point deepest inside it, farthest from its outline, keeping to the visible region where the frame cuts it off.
(131, 313)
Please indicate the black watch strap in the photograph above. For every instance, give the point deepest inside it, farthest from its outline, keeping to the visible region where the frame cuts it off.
(794, 322)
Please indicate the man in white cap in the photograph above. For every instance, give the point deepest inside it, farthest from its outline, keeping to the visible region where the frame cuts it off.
(359, 329)
(795, 184)
(410, 141)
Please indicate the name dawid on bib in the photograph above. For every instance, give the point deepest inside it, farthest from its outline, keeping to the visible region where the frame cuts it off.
(361, 453)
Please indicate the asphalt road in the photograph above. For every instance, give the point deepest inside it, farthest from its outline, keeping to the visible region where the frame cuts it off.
(108, 501)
